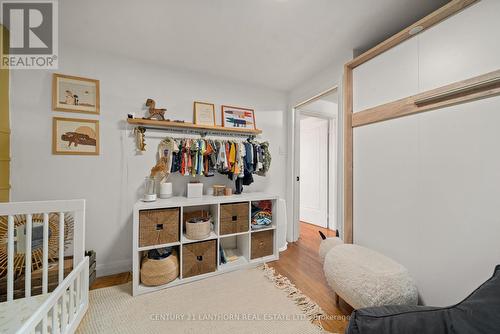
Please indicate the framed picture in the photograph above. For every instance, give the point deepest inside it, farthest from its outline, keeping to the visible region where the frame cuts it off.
(204, 113)
(75, 136)
(236, 117)
(75, 94)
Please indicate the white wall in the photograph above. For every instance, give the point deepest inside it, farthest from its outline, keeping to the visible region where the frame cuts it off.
(111, 182)
(427, 187)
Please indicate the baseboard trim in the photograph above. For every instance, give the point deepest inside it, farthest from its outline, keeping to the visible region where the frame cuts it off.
(117, 267)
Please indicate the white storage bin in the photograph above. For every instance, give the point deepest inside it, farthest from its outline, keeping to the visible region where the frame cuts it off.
(194, 190)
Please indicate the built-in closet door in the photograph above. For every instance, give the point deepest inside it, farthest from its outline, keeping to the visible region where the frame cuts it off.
(427, 193)
(461, 47)
(427, 186)
(388, 78)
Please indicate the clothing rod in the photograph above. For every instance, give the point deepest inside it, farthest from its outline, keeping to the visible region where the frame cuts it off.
(201, 133)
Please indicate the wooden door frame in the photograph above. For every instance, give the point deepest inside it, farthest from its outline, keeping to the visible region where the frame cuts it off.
(295, 150)
(4, 114)
(430, 20)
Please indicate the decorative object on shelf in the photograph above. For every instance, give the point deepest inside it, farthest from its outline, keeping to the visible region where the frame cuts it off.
(75, 136)
(20, 222)
(236, 117)
(160, 266)
(198, 228)
(194, 189)
(218, 190)
(262, 214)
(75, 94)
(228, 191)
(165, 190)
(153, 111)
(149, 189)
(139, 138)
(204, 113)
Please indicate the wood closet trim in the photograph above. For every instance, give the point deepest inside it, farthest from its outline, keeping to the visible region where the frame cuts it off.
(472, 89)
(434, 18)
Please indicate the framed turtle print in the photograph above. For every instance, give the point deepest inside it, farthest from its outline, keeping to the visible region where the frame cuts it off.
(75, 94)
(75, 136)
(236, 117)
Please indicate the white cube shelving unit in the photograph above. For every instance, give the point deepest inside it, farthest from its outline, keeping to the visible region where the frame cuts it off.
(237, 245)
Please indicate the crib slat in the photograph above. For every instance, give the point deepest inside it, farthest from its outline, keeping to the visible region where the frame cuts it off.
(61, 247)
(45, 261)
(44, 325)
(10, 258)
(78, 291)
(64, 316)
(71, 301)
(27, 267)
(54, 328)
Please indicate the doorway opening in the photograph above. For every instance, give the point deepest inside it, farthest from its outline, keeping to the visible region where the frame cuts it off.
(316, 162)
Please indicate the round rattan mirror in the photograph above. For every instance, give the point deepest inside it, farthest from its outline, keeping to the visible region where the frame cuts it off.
(36, 241)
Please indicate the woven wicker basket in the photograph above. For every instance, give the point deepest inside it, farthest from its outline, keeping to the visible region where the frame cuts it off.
(198, 230)
(159, 272)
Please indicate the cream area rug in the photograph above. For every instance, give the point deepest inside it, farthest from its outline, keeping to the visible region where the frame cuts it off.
(245, 301)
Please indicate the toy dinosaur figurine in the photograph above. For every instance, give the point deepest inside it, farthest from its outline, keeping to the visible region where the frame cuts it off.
(153, 112)
(139, 137)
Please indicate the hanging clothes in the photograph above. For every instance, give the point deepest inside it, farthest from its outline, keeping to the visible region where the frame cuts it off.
(203, 157)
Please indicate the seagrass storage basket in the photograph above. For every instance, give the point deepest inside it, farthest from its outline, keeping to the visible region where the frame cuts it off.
(262, 244)
(198, 228)
(159, 226)
(234, 218)
(199, 258)
(159, 272)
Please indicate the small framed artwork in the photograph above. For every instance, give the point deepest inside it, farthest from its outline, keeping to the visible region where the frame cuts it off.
(75, 136)
(236, 117)
(204, 113)
(75, 94)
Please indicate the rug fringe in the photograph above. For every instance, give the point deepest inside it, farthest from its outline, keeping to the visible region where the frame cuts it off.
(311, 310)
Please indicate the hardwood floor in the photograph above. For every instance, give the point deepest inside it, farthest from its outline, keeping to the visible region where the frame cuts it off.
(107, 281)
(301, 264)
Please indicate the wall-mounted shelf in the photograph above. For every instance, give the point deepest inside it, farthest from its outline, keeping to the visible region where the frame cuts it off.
(202, 129)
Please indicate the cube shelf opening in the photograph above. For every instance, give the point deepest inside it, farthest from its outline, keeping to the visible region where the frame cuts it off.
(262, 215)
(234, 250)
(192, 232)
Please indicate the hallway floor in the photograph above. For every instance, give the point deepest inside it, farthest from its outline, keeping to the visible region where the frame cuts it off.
(301, 264)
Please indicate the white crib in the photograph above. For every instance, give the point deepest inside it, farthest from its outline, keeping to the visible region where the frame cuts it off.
(61, 310)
